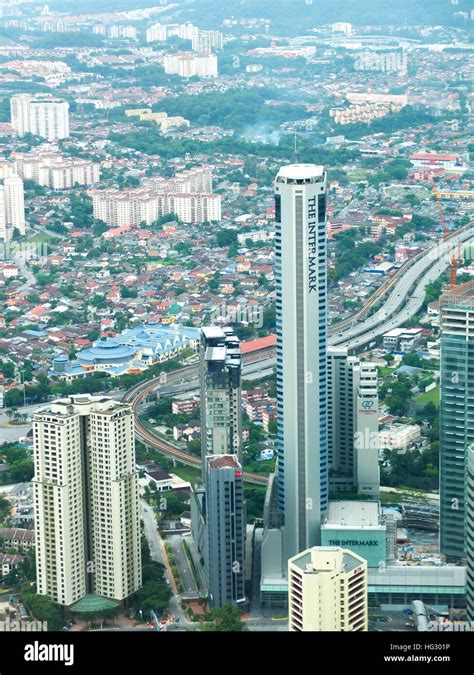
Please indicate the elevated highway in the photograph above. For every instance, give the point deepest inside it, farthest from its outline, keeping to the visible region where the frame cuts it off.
(405, 295)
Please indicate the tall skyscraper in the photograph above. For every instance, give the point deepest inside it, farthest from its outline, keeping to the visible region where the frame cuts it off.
(86, 500)
(353, 424)
(225, 530)
(12, 207)
(221, 405)
(327, 591)
(40, 115)
(301, 322)
(470, 533)
(218, 510)
(456, 422)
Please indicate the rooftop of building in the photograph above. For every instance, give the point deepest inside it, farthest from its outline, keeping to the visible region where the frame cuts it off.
(160, 475)
(434, 155)
(353, 514)
(300, 172)
(19, 534)
(223, 462)
(398, 332)
(215, 354)
(462, 296)
(213, 332)
(64, 407)
(259, 343)
(321, 559)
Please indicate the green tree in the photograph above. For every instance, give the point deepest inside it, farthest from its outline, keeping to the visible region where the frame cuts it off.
(5, 508)
(22, 471)
(44, 609)
(225, 619)
(13, 398)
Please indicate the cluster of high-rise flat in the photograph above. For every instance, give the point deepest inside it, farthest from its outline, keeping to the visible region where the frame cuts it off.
(202, 41)
(85, 484)
(189, 195)
(50, 168)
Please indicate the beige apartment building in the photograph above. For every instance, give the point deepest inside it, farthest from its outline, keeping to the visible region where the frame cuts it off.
(189, 195)
(327, 589)
(51, 169)
(86, 500)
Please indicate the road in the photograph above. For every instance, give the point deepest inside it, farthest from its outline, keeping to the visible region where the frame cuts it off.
(138, 394)
(29, 276)
(10, 433)
(190, 589)
(156, 551)
(405, 298)
(152, 534)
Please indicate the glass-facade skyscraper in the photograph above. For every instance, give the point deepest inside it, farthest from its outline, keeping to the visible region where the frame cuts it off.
(220, 380)
(469, 531)
(302, 334)
(457, 413)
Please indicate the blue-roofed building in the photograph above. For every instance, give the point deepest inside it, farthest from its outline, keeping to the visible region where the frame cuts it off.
(133, 350)
(105, 353)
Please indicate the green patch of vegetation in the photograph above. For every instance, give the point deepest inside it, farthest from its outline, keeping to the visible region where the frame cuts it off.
(429, 397)
(224, 619)
(385, 371)
(188, 473)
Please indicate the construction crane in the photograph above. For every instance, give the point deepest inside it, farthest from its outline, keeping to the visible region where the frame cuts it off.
(453, 263)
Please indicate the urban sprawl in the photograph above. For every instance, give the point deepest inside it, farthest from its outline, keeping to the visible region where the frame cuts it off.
(236, 317)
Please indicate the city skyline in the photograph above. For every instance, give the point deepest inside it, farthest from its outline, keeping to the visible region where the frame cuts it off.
(236, 264)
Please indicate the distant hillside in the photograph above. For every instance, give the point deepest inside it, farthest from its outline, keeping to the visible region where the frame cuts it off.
(294, 16)
(299, 15)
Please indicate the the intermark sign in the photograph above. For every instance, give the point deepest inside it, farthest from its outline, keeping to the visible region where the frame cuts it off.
(352, 542)
(312, 244)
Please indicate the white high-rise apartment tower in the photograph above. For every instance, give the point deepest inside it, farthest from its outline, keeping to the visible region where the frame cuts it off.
(301, 311)
(12, 207)
(353, 424)
(86, 500)
(15, 203)
(327, 591)
(40, 115)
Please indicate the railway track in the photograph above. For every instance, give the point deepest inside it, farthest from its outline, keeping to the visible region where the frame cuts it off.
(137, 394)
